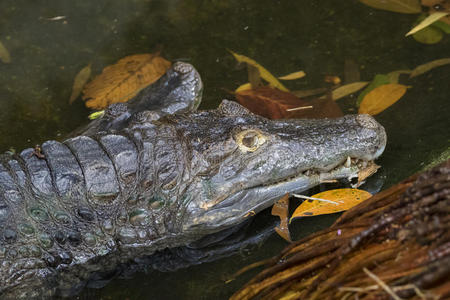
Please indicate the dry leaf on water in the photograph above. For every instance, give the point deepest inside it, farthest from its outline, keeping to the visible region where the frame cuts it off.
(78, 83)
(381, 98)
(123, 80)
(275, 104)
(293, 76)
(265, 74)
(4, 54)
(427, 21)
(419, 70)
(281, 209)
(347, 89)
(345, 199)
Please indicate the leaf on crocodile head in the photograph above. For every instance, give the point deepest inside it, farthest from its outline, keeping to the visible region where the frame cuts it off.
(329, 202)
(122, 81)
(275, 104)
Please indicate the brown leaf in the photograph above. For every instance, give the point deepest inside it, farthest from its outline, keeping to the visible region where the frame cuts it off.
(281, 209)
(274, 104)
(381, 98)
(78, 83)
(333, 201)
(123, 80)
(351, 71)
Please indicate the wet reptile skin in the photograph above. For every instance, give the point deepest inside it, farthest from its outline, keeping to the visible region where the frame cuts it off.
(141, 180)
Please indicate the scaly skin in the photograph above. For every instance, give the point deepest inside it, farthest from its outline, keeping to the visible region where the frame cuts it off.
(99, 200)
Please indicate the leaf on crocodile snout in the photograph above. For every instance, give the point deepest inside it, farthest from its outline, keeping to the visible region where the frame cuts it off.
(330, 202)
(381, 98)
(400, 6)
(5, 57)
(122, 81)
(275, 104)
(265, 74)
(78, 83)
(281, 209)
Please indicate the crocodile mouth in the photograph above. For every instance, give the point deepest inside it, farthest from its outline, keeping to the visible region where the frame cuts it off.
(263, 195)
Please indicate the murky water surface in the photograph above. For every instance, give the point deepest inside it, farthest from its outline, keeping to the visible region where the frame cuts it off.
(284, 36)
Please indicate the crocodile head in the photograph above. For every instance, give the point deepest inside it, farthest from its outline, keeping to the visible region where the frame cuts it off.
(242, 163)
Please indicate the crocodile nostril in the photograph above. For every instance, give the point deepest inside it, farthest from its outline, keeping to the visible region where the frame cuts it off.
(367, 121)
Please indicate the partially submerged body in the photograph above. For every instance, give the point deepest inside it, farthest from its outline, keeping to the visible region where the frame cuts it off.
(139, 182)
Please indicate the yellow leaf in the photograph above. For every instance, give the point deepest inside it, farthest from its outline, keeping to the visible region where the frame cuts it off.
(428, 21)
(428, 66)
(292, 76)
(78, 83)
(381, 98)
(343, 199)
(347, 89)
(400, 6)
(265, 74)
(244, 87)
(122, 81)
(4, 54)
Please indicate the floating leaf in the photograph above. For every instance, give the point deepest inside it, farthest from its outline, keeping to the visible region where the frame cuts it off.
(4, 54)
(123, 80)
(394, 75)
(265, 74)
(429, 35)
(292, 76)
(281, 209)
(427, 21)
(343, 199)
(400, 6)
(275, 104)
(347, 89)
(381, 98)
(378, 80)
(78, 83)
(429, 66)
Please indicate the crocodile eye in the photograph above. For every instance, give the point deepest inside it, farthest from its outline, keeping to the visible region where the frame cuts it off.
(250, 140)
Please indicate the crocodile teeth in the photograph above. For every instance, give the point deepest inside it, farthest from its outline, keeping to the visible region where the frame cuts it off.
(348, 162)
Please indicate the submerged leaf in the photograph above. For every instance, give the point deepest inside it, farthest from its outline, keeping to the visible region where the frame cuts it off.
(347, 89)
(419, 70)
(265, 74)
(281, 209)
(427, 21)
(4, 54)
(78, 83)
(381, 98)
(394, 75)
(292, 76)
(123, 80)
(334, 201)
(400, 6)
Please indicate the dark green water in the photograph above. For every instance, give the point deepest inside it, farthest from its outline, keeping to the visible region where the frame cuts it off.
(284, 36)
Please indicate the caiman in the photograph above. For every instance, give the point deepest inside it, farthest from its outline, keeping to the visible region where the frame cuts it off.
(156, 174)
